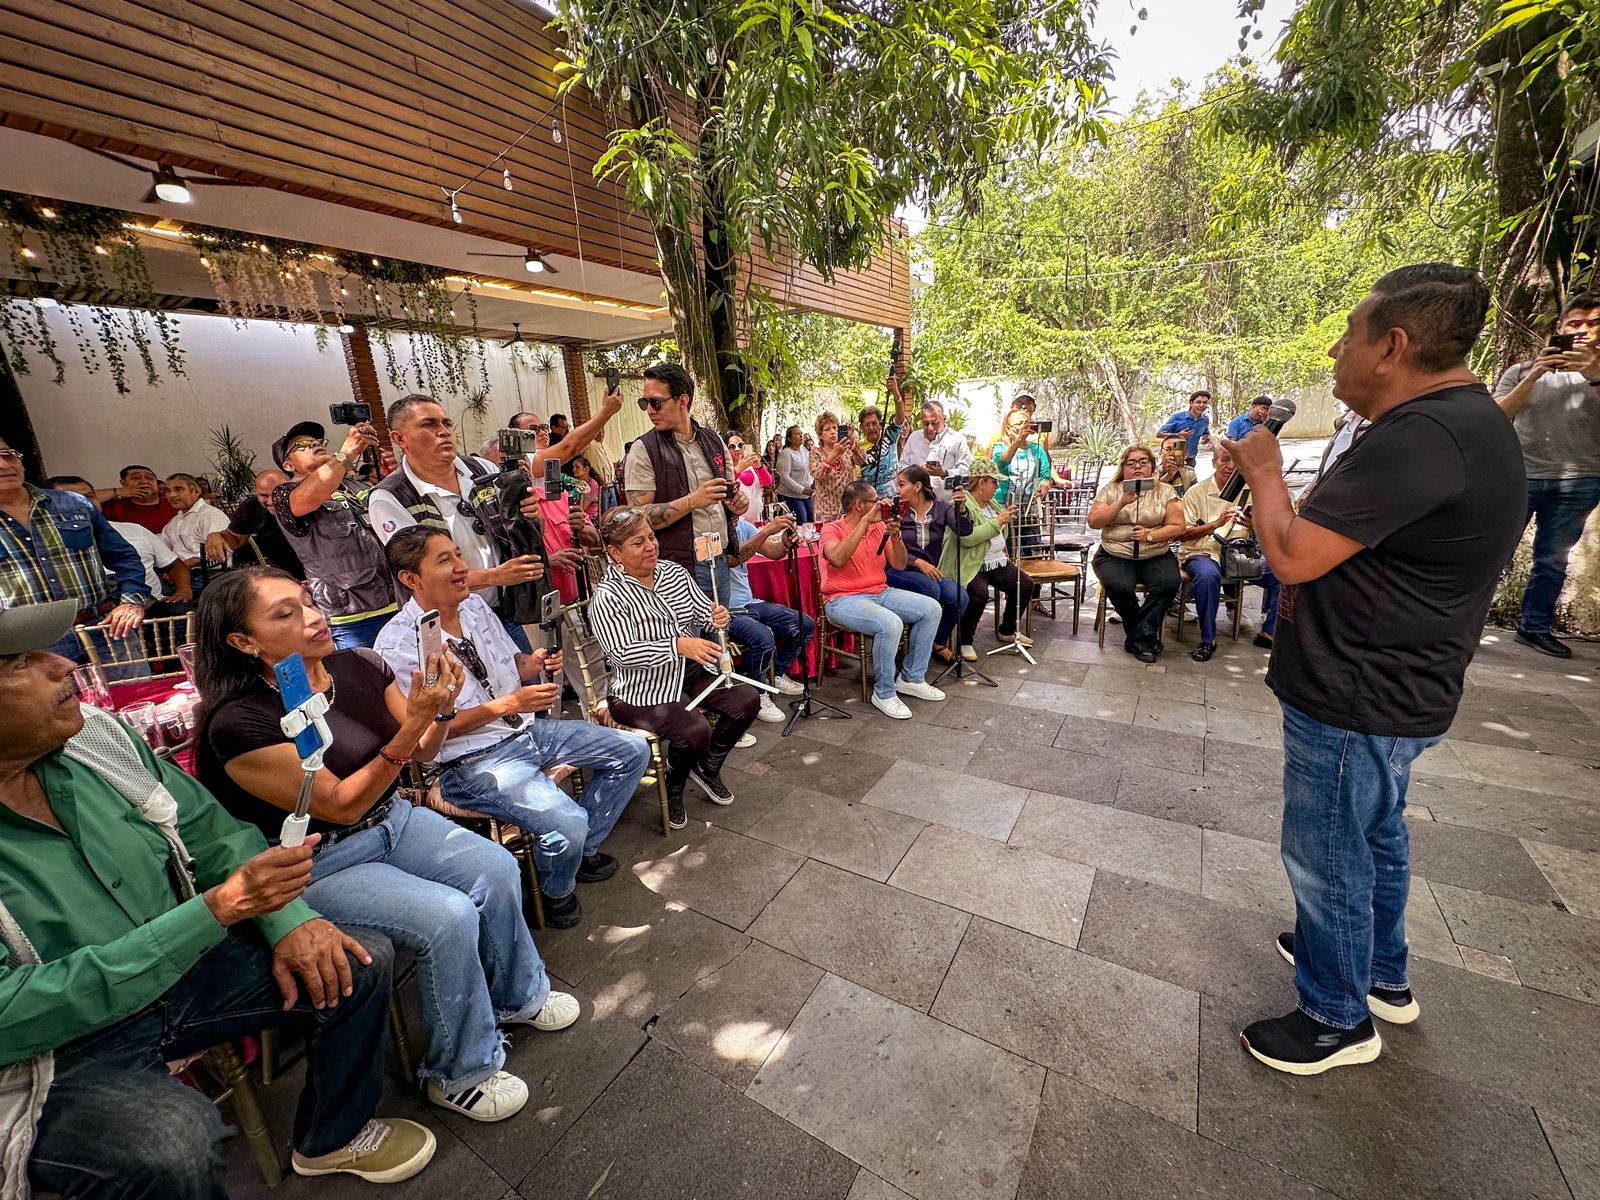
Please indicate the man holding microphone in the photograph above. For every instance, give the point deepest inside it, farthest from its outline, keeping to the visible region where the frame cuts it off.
(1387, 573)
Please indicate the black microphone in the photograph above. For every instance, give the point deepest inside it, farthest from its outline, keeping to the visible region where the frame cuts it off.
(1278, 416)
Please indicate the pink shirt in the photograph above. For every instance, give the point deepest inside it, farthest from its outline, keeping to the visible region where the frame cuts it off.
(863, 574)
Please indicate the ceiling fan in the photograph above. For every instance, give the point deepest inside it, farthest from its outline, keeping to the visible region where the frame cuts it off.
(516, 338)
(166, 185)
(532, 261)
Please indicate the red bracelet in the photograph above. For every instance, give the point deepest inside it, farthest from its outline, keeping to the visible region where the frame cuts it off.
(402, 763)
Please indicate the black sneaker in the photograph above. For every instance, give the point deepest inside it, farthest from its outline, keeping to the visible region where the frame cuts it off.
(1146, 656)
(563, 913)
(677, 815)
(716, 791)
(1203, 652)
(1544, 643)
(1302, 1045)
(1262, 640)
(596, 867)
(1396, 1006)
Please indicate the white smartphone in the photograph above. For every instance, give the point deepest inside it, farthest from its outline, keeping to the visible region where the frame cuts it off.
(430, 643)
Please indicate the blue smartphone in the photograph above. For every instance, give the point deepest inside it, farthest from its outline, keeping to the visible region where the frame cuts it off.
(295, 688)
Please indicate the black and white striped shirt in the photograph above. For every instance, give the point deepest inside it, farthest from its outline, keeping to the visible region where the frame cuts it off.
(639, 627)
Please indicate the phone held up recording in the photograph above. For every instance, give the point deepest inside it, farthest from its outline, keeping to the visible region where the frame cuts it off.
(1564, 342)
(350, 413)
(430, 644)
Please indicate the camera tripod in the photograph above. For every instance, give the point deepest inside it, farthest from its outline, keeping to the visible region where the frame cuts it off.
(1017, 611)
(710, 544)
(805, 704)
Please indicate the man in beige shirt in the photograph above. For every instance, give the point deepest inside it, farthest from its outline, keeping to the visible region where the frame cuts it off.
(1208, 515)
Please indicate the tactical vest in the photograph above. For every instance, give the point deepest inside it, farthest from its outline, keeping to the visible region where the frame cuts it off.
(672, 482)
(422, 508)
(345, 566)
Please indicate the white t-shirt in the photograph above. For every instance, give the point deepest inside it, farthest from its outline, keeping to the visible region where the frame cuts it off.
(153, 552)
(949, 450)
(186, 533)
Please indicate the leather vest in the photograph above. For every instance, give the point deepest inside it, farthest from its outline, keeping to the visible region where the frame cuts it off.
(672, 482)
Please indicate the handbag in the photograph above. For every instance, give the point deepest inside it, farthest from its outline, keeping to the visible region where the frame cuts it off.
(1242, 560)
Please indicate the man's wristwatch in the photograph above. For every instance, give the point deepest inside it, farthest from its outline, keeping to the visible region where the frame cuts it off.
(445, 718)
(342, 459)
(135, 598)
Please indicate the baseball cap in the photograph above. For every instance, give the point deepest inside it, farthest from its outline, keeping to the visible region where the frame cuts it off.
(34, 626)
(280, 448)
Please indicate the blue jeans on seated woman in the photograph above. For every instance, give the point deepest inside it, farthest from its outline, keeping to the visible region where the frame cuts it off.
(508, 782)
(951, 596)
(1206, 575)
(455, 900)
(883, 616)
(771, 634)
(1348, 857)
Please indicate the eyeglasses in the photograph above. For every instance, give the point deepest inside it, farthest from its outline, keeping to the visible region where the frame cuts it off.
(13, 455)
(732, 445)
(307, 444)
(473, 661)
(1136, 462)
(535, 428)
(653, 403)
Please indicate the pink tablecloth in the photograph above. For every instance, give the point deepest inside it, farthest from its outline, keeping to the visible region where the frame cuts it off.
(156, 691)
(769, 580)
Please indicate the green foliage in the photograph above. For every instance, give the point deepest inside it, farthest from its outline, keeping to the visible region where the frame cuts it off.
(1113, 281)
(799, 126)
(234, 476)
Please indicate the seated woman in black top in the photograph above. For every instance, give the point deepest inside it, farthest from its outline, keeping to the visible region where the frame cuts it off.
(433, 887)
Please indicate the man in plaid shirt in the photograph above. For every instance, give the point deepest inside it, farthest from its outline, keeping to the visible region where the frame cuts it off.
(54, 545)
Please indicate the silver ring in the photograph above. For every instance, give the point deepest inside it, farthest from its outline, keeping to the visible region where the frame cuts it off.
(451, 688)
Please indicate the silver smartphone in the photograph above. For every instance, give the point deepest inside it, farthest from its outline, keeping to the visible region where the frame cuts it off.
(430, 644)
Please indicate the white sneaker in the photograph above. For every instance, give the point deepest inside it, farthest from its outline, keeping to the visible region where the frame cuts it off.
(891, 706)
(500, 1096)
(921, 690)
(788, 687)
(559, 1011)
(768, 711)
(746, 741)
(968, 654)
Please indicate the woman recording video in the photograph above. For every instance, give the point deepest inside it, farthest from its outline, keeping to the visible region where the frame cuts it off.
(452, 897)
(832, 466)
(648, 616)
(1138, 516)
(985, 560)
(925, 522)
(1028, 473)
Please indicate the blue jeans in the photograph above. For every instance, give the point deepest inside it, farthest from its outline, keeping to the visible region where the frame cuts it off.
(1207, 577)
(359, 633)
(455, 900)
(518, 635)
(1560, 507)
(508, 782)
(801, 507)
(770, 633)
(952, 597)
(883, 616)
(116, 1124)
(1347, 855)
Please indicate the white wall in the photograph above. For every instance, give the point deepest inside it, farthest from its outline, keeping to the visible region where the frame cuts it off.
(257, 378)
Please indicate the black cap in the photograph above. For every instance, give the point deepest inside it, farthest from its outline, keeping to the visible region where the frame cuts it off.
(302, 429)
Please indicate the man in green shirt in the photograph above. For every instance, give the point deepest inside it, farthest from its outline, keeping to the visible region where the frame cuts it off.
(113, 972)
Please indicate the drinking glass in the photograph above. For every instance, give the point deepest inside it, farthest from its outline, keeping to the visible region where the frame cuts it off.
(92, 687)
(186, 658)
(142, 716)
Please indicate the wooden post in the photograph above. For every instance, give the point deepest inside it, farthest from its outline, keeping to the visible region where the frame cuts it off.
(577, 382)
(364, 380)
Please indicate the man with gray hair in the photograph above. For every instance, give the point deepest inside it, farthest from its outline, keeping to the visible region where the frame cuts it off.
(937, 448)
(1387, 570)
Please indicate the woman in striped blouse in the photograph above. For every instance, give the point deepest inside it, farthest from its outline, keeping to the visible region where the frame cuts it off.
(648, 615)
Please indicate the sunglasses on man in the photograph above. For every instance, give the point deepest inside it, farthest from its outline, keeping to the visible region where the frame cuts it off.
(653, 403)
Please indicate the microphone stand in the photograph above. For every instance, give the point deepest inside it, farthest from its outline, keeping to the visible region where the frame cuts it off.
(1015, 643)
(805, 703)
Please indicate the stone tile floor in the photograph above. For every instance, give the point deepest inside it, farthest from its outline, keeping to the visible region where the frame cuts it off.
(1005, 950)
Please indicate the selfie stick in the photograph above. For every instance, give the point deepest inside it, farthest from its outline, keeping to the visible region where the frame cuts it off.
(725, 672)
(305, 719)
(806, 704)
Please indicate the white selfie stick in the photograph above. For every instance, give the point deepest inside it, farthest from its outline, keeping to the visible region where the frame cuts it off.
(308, 716)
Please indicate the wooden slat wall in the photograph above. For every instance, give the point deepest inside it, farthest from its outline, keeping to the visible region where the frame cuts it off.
(378, 107)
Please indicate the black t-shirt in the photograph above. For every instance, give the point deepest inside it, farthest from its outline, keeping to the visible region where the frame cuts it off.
(1435, 492)
(359, 719)
(250, 519)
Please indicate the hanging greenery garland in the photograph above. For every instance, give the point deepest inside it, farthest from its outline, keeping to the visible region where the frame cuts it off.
(95, 254)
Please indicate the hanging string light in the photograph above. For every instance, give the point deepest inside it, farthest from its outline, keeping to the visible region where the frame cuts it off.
(505, 179)
(455, 213)
(555, 131)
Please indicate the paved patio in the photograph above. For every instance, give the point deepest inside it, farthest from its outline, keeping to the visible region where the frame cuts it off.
(1005, 949)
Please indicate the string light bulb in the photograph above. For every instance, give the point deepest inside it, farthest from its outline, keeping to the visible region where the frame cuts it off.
(455, 213)
(26, 253)
(627, 92)
(555, 131)
(100, 250)
(49, 214)
(204, 261)
(711, 56)
(505, 179)
(346, 327)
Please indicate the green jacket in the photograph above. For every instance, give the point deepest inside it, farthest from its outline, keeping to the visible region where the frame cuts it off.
(972, 547)
(98, 905)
